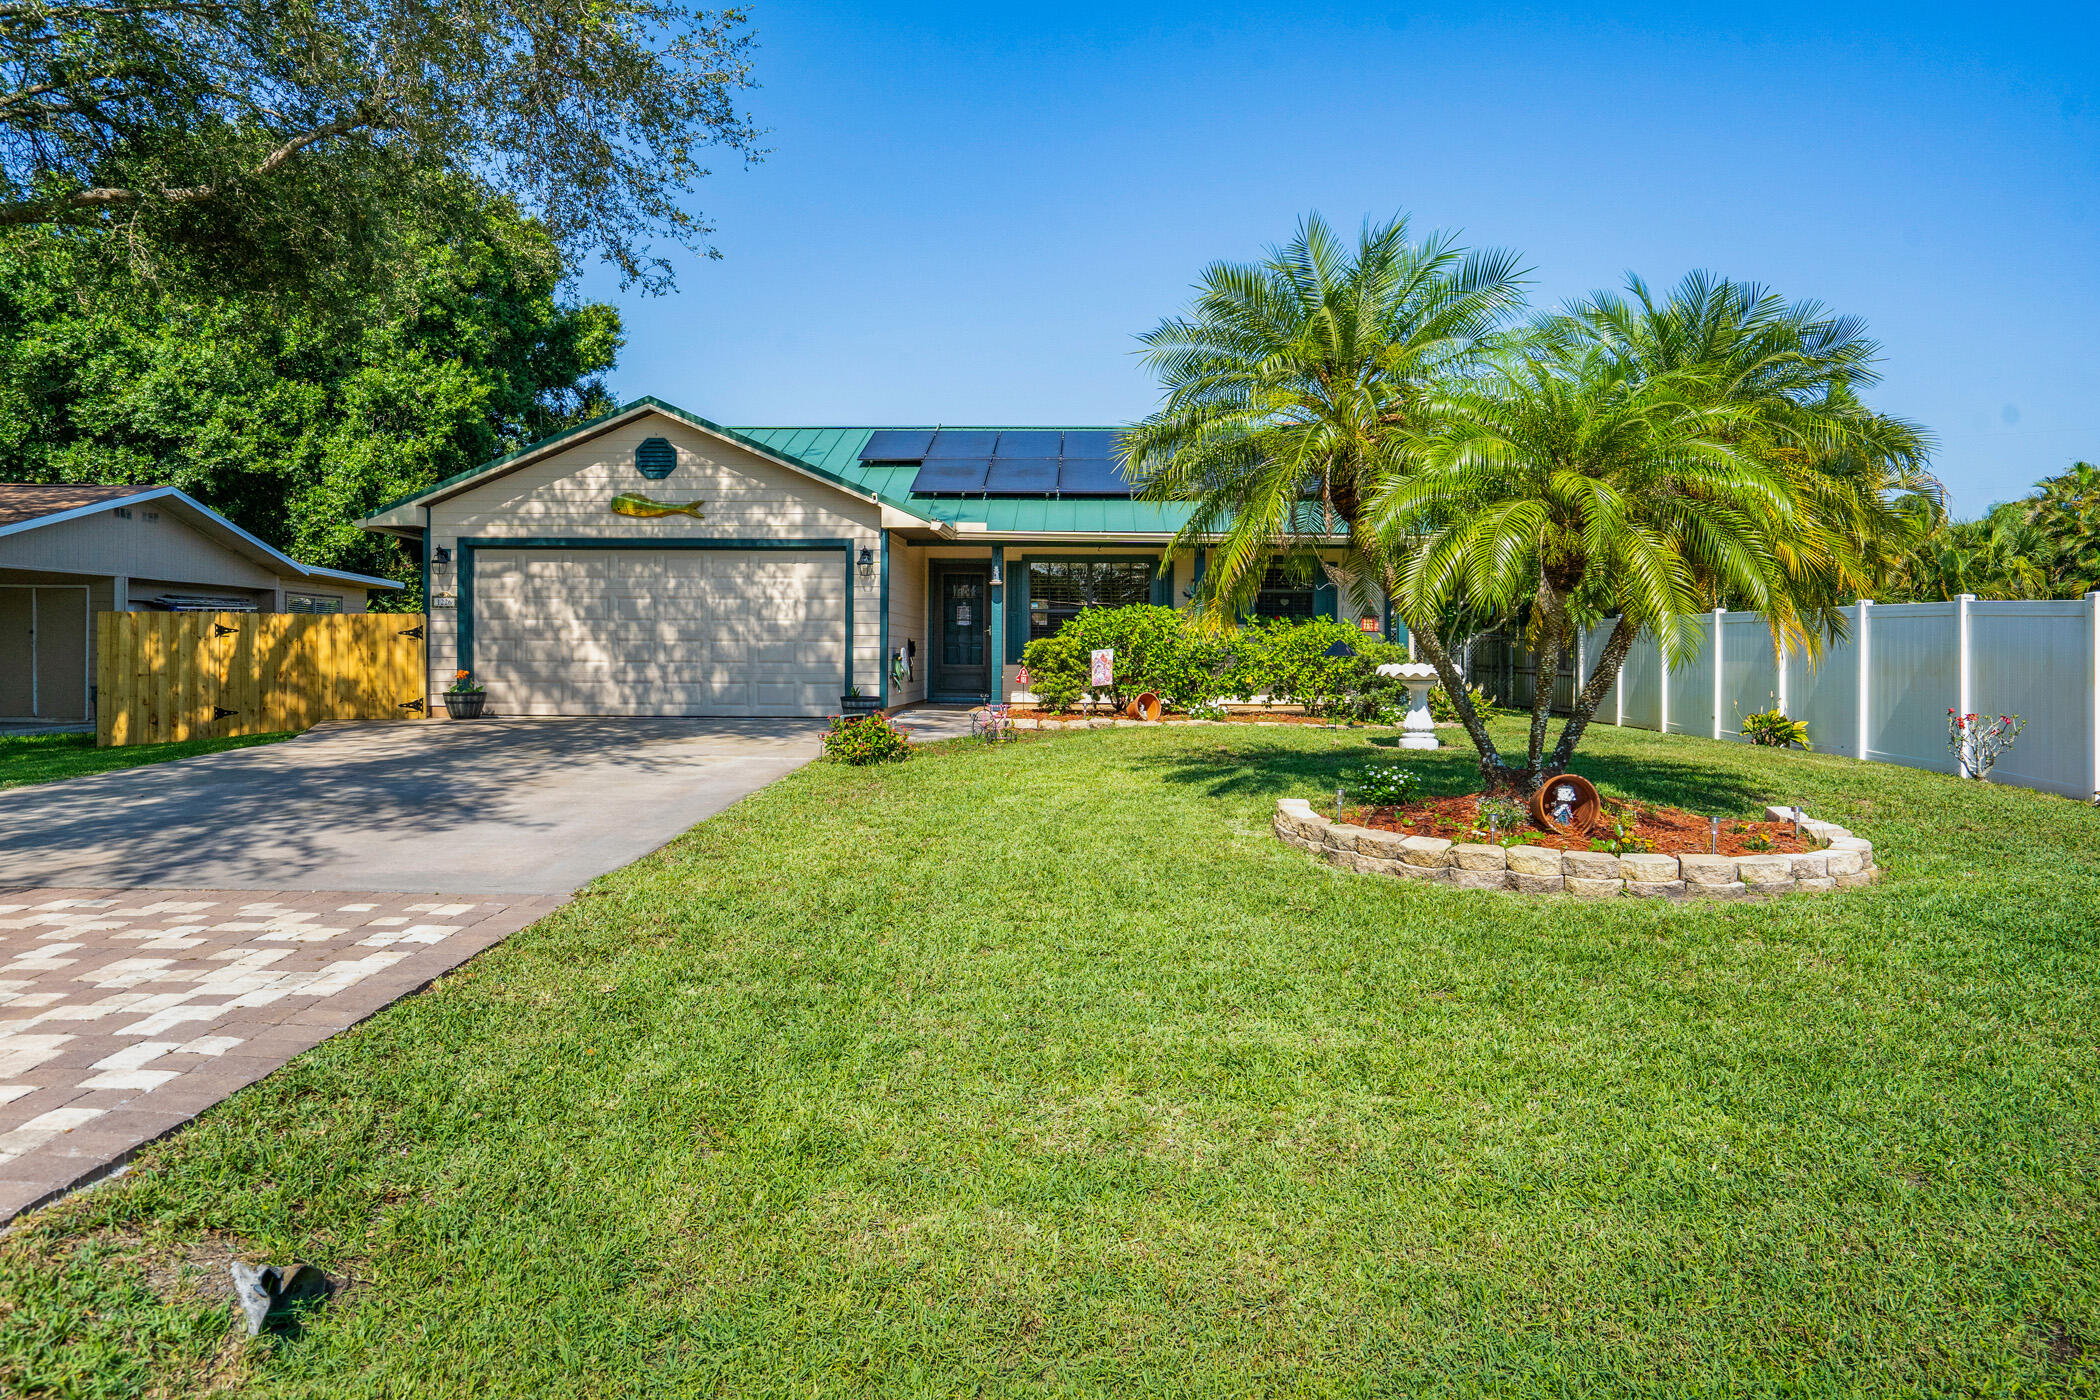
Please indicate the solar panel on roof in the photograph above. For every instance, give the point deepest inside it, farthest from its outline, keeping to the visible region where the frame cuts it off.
(1097, 444)
(967, 443)
(1029, 443)
(951, 476)
(896, 445)
(1085, 476)
(1022, 476)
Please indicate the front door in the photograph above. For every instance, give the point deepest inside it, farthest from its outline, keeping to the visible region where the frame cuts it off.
(961, 594)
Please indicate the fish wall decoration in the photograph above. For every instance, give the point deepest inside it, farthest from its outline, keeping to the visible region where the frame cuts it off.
(642, 508)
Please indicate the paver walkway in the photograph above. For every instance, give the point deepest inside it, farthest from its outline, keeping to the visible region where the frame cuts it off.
(125, 1013)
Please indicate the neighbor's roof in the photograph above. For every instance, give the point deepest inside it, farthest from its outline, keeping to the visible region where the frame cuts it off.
(833, 455)
(26, 500)
(26, 505)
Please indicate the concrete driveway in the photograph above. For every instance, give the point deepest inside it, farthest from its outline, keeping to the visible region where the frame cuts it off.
(491, 807)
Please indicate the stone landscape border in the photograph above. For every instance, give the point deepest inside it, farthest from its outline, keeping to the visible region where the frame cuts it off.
(1845, 862)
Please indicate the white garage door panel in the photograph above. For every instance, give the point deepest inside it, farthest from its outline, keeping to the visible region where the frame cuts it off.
(659, 632)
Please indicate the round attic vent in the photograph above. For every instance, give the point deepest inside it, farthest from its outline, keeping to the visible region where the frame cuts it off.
(655, 458)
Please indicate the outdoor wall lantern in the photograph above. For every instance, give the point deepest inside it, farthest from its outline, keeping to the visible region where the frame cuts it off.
(867, 564)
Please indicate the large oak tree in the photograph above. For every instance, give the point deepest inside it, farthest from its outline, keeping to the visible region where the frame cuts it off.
(269, 140)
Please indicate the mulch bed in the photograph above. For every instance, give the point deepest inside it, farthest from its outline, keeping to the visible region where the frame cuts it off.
(1669, 831)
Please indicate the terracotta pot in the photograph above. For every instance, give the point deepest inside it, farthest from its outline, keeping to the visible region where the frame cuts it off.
(1566, 791)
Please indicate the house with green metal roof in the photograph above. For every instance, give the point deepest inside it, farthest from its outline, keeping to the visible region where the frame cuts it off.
(653, 562)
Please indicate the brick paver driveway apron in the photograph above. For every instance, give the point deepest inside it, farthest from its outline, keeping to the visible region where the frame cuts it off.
(172, 933)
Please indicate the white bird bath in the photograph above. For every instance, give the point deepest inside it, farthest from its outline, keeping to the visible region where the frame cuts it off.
(1418, 730)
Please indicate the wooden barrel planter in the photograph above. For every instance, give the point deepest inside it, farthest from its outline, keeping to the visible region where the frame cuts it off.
(1566, 805)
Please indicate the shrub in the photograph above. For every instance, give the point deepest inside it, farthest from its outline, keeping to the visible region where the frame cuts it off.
(1155, 650)
(1288, 662)
(1057, 670)
(861, 739)
(1773, 729)
(1388, 786)
(1444, 711)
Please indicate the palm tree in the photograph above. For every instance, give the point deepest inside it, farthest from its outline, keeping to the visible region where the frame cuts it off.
(2003, 555)
(1647, 460)
(2066, 510)
(1289, 384)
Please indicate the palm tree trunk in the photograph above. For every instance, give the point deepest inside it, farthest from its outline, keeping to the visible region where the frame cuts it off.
(1591, 696)
(1552, 620)
(1495, 775)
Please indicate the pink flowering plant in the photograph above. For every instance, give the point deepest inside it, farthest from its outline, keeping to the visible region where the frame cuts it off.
(1978, 741)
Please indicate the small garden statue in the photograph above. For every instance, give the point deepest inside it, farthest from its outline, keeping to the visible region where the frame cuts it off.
(1977, 743)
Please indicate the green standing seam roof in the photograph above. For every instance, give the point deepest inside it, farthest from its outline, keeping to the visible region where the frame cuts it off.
(835, 453)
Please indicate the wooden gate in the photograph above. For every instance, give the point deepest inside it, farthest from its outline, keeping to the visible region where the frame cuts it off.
(168, 676)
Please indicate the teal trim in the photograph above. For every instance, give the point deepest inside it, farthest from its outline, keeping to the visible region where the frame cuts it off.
(995, 615)
(468, 547)
(937, 571)
(428, 611)
(1327, 601)
(1163, 585)
(882, 626)
(1017, 613)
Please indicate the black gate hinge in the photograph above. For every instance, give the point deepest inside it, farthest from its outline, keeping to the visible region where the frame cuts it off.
(416, 705)
(220, 629)
(416, 631)
(221, 712)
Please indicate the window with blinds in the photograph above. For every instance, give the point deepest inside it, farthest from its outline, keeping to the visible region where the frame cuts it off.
(1058, 590)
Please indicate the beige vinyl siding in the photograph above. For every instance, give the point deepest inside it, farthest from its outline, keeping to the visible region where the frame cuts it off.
(153, 544)
(908, 617)
(568, 494)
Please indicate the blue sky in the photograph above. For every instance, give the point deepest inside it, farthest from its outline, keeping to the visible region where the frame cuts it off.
(969, 212)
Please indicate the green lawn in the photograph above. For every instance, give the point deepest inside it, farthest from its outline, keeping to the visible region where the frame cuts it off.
(1047, 1070)
(45, 758)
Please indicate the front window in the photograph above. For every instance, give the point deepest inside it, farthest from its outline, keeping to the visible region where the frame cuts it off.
(1283, 595)
(312, 603)
(1057, 591)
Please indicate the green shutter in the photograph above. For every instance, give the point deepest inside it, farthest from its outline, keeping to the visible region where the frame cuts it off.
(1016, 609)
(1163, 585)
(1327, 601)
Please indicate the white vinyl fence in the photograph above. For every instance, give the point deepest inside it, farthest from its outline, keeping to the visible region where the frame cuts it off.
(1883, 693)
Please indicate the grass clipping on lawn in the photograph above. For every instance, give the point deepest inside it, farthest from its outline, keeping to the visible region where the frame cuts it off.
(1045, 1067)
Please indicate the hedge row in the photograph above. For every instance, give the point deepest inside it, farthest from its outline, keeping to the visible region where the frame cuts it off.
(1157, 650)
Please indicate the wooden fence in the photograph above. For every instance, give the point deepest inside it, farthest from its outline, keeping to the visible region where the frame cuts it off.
(167, 676)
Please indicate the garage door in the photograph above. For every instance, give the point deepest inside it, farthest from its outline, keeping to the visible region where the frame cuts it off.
(659, 632)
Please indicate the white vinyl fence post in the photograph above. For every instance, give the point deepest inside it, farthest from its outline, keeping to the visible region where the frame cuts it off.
(1785, 659)
(1618, 689)
(1720, 624)
(2092, 632)
(1662, 690)
(1964, 682)
(1866, 669)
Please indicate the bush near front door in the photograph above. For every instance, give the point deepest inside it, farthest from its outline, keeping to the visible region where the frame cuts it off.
(1157, 650)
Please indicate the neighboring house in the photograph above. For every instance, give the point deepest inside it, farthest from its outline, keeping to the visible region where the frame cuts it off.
(906, 563)
(68, 552)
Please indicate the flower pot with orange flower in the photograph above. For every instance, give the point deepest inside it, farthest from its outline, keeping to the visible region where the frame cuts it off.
(466, 698)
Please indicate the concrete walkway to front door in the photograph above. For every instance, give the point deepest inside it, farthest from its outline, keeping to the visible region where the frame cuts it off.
(489, 807)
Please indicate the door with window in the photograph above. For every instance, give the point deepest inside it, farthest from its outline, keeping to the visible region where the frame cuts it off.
(960, 667)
